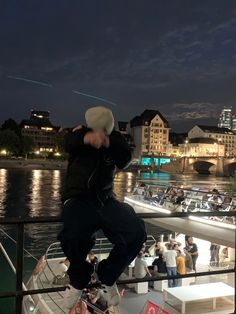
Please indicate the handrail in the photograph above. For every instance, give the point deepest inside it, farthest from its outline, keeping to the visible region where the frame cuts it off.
(14, 241)
(21, 221)
(46, 219)
(194, 190)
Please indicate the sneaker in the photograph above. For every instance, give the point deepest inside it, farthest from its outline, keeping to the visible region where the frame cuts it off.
(112, 295)
(72, 296)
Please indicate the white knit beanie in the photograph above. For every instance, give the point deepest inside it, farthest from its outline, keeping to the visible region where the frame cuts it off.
(100, 119)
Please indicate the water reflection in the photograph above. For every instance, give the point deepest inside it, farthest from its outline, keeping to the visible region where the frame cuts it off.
(45, 200)
(3, 191)
(36, 199)
(124, 183)
(38, 193)
(56, 184)
(45, 192)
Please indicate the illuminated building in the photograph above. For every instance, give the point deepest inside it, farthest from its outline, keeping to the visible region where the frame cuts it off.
(221, 136)
(150, 132)
(41, 130)
(225, 120)
(234, 123)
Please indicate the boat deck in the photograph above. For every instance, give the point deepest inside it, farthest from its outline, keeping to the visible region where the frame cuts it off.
(131, 303)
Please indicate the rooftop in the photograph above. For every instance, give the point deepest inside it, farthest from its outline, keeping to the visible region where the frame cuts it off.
(215, 129)
(146, 117)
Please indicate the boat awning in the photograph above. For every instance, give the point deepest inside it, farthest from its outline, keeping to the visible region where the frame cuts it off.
(198, 229)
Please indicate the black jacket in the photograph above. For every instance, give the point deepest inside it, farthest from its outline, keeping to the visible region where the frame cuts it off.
(90, 171)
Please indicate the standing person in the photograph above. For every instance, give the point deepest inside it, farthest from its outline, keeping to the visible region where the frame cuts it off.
(192, 249)
(180, 265)
(214, 251)
(159, 249)
(89, 205)
(159, 265)
(169, 257)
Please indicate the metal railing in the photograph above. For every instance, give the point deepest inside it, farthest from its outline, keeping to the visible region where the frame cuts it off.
(19, 293)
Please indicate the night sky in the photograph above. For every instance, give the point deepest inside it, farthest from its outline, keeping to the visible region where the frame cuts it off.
(178, 57)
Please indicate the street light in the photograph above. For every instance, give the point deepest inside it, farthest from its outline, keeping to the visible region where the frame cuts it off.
(3, 152)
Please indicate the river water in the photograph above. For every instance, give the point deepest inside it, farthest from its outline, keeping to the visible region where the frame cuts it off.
(33, 193)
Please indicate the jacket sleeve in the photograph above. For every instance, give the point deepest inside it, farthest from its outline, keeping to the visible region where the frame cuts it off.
(119, 150)
(74, 139)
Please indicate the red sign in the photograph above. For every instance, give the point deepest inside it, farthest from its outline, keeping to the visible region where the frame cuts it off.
(151, 308)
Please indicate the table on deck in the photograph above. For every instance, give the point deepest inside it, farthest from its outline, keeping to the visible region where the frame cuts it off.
(199, 292)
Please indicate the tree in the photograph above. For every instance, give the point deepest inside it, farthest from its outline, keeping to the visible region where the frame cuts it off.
(11, 124)
(10, 142)
(27, 145)
(59, 139)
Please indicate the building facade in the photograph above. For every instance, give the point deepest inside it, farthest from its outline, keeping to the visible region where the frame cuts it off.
(220, 136)
(40, 129)
(234, 123)
(225, 119)
(150, 132)
(202, 147)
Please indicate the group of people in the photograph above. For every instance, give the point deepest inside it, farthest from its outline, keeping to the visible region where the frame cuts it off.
(175, 195)
(172, 195)
(170, 259)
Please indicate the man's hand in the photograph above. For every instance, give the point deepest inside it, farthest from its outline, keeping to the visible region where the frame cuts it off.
(96, 139)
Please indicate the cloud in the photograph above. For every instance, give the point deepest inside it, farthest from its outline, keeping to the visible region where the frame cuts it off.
(224, 26)
(193, 111)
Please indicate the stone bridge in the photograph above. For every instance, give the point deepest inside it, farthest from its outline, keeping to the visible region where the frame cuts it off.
(220, 166)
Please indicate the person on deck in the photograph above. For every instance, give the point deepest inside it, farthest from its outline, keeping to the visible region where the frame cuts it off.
(89, 204)
(192, 249)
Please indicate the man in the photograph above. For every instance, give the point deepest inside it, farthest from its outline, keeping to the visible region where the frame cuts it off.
(169, 257)
(192, 249)
(159, 265)
(214, 251)
(141, 267)
(89, 205)
(215, 200)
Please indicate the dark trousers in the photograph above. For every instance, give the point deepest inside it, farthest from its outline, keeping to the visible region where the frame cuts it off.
(82, 219)
(194, 259)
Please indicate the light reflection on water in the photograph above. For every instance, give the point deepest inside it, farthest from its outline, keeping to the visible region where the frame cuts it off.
(3, 189)
(33, 193)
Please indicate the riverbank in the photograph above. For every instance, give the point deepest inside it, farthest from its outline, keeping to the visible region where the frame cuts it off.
(32, 164)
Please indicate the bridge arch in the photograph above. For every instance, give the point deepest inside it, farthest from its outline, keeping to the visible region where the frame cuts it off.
(204, 167)
(230, 169)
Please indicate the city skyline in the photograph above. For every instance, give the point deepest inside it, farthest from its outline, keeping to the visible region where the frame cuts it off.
(58, 125)
(65, 57)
